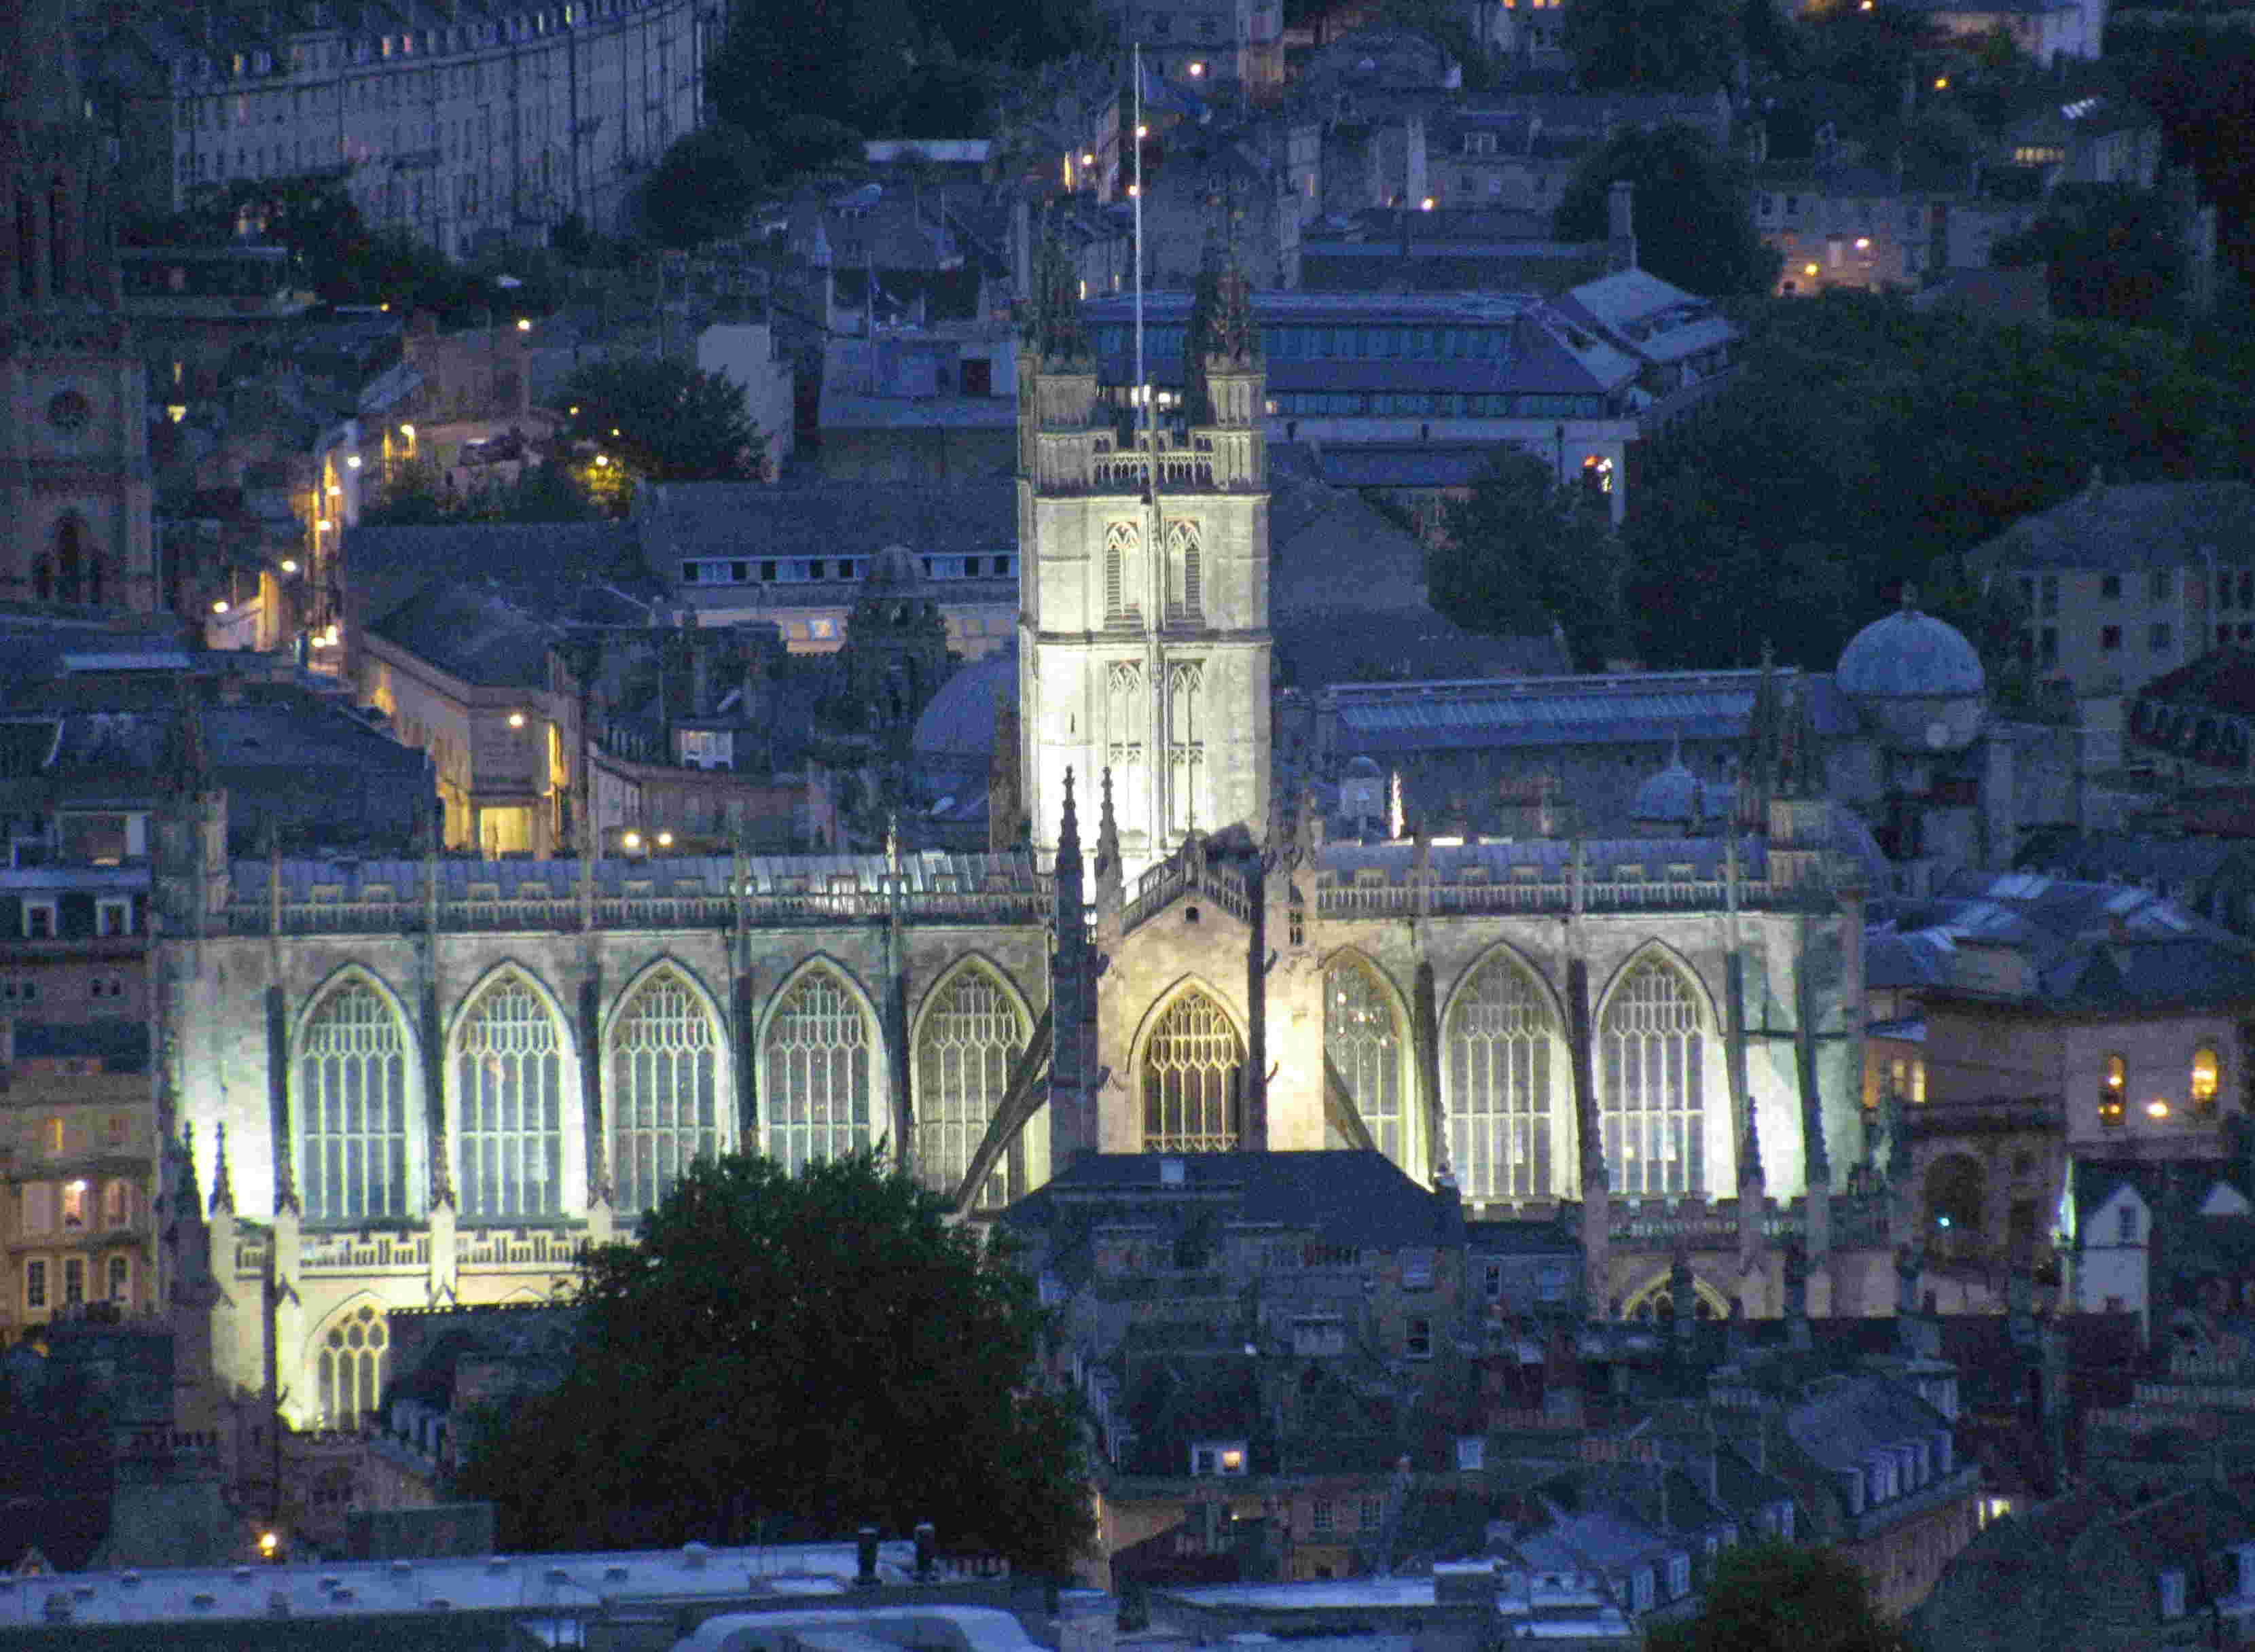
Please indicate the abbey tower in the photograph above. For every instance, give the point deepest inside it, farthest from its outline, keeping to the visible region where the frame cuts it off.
(1143, 621)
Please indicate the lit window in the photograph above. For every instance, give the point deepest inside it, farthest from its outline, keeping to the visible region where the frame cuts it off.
(2205, 1077)
(74, 1203)
(2113, 1087)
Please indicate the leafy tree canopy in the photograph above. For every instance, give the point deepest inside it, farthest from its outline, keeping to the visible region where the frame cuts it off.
(826, 1348)
(705, 185)
(1653, 45)
(1781, 1597)
(414, 494)
(2110, 253)
(1694, 223)
(1865, 445)
(664, 420)
(1523, 551)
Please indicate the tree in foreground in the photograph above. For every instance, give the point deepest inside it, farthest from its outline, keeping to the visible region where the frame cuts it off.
(1781, 1597)
(664, 420)
(1694, 223)
(795, 1352)
(704, 186)
(1525, 551)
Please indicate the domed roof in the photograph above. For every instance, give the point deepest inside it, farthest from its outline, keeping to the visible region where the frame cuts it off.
(1909, 654)
(1672, 794)
(959, 721)
(894, 568)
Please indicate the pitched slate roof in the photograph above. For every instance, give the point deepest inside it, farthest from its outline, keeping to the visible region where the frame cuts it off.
(2159, 525)
(675, 520)
(1350, 1197)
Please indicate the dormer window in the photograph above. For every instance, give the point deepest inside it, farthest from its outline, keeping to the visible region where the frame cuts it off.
(1222, 1458)
(2126, 1221)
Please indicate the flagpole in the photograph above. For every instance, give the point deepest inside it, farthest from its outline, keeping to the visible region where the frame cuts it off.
(1142, 385)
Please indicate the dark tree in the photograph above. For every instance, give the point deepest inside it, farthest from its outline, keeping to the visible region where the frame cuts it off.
(704, 186)
(2109, 254)
(1694, 223)
(1652, 45)
(1526, 550)
(813, 1350)
(664, 420)
(1779, 1597)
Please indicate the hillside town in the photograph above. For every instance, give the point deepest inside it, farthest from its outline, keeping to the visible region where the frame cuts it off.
(1128, 824)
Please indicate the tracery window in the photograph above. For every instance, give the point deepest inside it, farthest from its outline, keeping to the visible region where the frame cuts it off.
(509, 1092)
(352, 1108)
(818, 1052)
(1500, 1042)
(664, 1076)
(1654, 1053)
(1125, 725)
(350, 1367)
(1193, 1081)
(1185, 576)
(1122, 541)
(968, 1040)
(1363, 1046)
(1186, 744)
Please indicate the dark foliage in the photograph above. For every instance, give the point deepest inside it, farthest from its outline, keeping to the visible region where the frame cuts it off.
(1694, 213)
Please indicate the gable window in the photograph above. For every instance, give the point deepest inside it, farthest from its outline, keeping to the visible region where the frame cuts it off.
(2126, 1225)
(2114, 1087)
(1419, 1339)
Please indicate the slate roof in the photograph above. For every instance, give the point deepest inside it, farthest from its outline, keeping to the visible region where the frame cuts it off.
(1449, 863)
(1350, 1197)
(1648, 317)
(1841, 1428)
(473, 635)
(553, 566)
(2090, 947)
(2132, 526)
(711, 874)
(2221, 681)
(1633, 708)
(675, 520)
(121, 1046)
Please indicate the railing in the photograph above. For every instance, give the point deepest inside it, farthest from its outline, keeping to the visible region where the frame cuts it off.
(250, 1256)
(1532, 894)
(357, 1253)
(251, 915)
(1171, 877)
(496, 1249)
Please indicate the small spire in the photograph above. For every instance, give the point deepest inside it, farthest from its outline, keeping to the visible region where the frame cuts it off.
(1107, 828)
(893, 842)
(1069, 832)
(222, 1197)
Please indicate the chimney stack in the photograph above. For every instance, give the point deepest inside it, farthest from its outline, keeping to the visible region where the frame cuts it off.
(1620, 227)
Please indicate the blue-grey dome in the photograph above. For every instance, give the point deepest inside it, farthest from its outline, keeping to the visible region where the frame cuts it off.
(959, 721)
(1915, 681)
(1909, 653)
(1672, 794)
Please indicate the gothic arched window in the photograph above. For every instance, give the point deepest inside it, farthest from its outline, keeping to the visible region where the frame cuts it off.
(66, 574)
(666, 1055)
(1654, 1056)
(1186, 588)
(1499, 1046)
(819, 1046)
(965, 1048)
(349, 1367)
(1122, 541)
(1193, 1081)
(1363, 1048)
(351, 1106)
(509, 1094)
